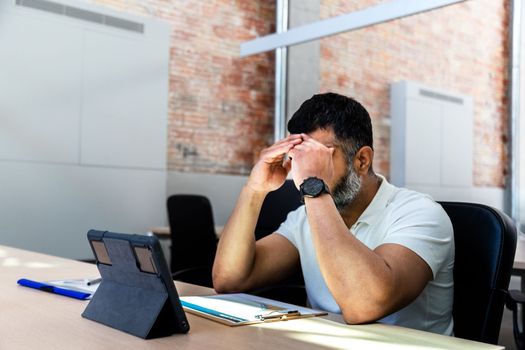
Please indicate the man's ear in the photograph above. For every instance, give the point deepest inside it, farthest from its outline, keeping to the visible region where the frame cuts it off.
(363, 160)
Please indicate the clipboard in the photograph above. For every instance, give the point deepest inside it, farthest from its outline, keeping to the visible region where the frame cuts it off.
(242, 309)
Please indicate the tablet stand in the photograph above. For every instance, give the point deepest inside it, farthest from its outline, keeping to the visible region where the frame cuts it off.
(129, 299)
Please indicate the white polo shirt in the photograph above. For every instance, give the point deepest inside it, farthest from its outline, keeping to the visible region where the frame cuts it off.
(399, 216)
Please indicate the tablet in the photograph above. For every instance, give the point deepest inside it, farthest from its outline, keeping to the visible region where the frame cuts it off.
(137, 294)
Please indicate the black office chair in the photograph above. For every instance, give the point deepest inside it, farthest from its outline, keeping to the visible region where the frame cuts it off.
(193, 238)
(274, 210)
(516, 298)
(485, 241)
(276, 207)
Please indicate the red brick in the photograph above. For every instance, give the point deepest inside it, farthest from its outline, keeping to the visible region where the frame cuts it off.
(221, 105)
(463, 48)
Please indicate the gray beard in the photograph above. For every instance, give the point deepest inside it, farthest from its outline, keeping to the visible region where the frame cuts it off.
(346, 189)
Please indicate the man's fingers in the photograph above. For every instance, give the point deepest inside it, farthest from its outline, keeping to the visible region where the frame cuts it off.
(295, 136)
(300, 147)
(292, 145)
(312, 141)
(316, 145)
(306, 137)
(291, 153)
(310, 144)
(293, 141)
(292, 137)
(278, 150)
(287, 164)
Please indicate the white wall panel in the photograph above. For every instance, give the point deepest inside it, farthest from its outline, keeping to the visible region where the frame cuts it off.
(125, 102)
(422, 142)
(83, 116)
(457, 147)
(40, 90)
(53, 211)
(432, 143)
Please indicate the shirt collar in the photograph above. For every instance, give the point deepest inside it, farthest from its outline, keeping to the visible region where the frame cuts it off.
(381, 200)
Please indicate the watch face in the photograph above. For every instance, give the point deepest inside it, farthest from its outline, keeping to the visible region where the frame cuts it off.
(313, 186)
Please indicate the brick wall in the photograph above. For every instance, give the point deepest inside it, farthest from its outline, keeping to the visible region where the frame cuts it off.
(462, 48)
(220, 105)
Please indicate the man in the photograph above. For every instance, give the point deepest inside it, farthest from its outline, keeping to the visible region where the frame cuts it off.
(367, 249)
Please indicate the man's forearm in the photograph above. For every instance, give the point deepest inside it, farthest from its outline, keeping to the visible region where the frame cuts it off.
(358, 278)
(236, 250)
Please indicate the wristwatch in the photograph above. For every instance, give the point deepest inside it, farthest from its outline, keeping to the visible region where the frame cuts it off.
(313, 187)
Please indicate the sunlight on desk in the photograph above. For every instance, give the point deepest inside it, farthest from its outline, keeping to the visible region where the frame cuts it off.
(38, 265)
(328, 334)
(9, 261)
(15, 262)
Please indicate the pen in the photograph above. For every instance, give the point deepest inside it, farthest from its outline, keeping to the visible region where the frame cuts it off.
(279, 315)
(94, 281)
(52, 289)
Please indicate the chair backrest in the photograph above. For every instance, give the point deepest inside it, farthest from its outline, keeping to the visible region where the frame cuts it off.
(276, 207)
(274, 210)
(485, 241)
(193, 238)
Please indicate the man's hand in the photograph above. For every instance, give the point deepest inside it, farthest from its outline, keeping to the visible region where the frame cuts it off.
(241, 263)
(269, 173)
(311, 158)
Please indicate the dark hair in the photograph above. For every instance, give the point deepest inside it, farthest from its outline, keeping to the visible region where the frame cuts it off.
(348, 119)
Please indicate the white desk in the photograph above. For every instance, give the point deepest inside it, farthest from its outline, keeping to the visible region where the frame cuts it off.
(31, 319)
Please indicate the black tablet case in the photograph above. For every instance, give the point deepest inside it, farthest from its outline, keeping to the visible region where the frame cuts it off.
(131, 300)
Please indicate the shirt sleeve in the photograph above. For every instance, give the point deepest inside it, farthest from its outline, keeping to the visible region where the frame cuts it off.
(291, 227)
(424, 227)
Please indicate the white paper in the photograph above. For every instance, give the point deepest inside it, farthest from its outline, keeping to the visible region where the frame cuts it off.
(79, 285)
